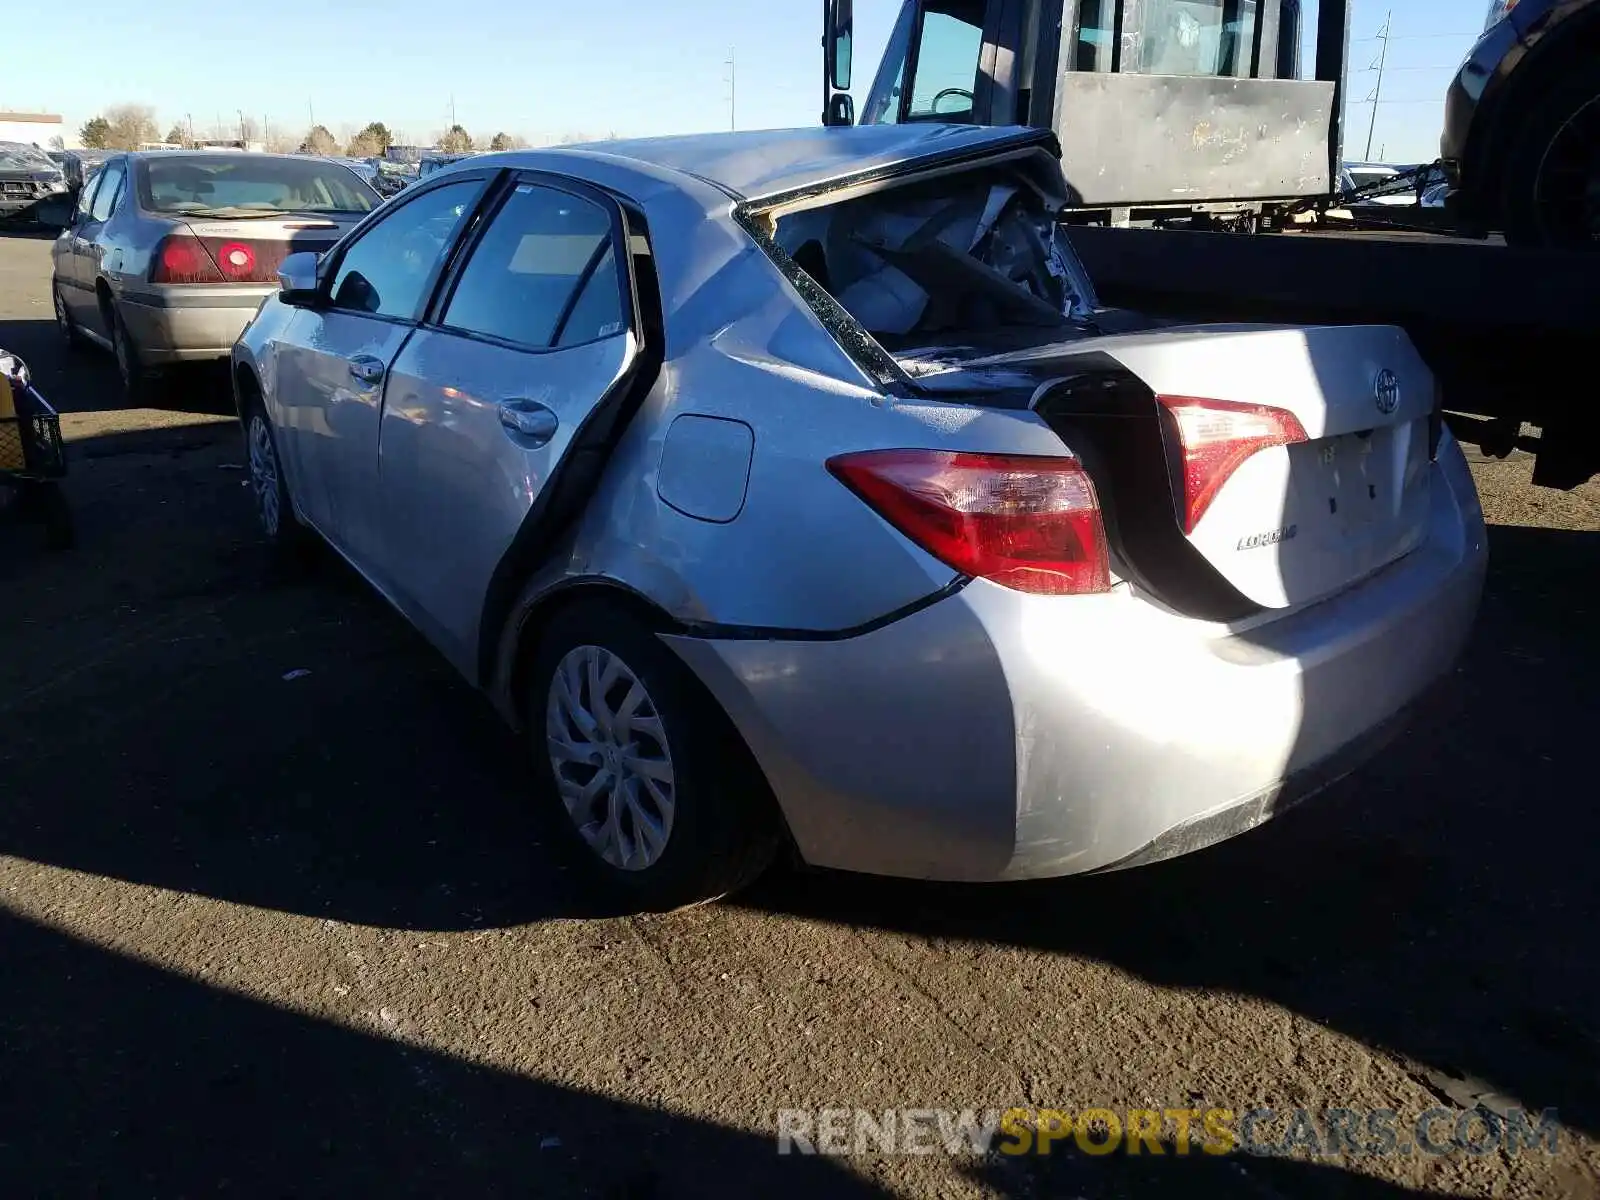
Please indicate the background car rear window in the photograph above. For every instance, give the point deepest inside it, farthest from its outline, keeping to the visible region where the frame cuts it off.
(543, 273)
(387, 270)
(236, 184)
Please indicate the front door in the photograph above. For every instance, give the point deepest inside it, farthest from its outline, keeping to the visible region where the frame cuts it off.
(335, 360)
(498, 415)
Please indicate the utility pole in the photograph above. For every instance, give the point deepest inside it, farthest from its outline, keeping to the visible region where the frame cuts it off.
(733, 90)
(1377, 90)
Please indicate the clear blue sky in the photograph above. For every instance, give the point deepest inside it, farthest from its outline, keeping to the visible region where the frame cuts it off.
(544, 68)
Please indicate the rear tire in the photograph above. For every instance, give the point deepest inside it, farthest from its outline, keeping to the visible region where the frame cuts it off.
(660, 802)
(139, 382)
(1551, 194)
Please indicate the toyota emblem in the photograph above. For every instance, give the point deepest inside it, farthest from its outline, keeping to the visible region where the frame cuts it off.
(1386, 391)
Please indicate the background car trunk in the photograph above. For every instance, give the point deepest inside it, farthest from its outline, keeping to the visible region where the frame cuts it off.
(269, 239)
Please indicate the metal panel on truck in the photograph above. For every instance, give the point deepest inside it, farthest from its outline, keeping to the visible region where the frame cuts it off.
(1145, 140)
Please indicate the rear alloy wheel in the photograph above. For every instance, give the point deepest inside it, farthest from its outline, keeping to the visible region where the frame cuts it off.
(136, 381)
(609, 754)
(662, 801)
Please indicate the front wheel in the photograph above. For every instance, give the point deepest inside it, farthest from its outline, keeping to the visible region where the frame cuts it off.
(662, 803)
(65, 325)
(284, 534)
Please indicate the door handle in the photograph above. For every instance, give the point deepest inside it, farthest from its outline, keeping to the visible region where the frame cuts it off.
(529, 420)
(366, 368)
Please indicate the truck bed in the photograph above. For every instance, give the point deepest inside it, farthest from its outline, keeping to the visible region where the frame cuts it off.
(1509, 332)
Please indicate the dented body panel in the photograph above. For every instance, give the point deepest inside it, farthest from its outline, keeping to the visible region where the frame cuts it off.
(909, 720)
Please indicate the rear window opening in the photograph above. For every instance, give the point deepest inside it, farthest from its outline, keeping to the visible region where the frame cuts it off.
(972, 260)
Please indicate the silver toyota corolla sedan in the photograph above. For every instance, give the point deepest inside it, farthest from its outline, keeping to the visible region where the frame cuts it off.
(793, 491)
(170, 252)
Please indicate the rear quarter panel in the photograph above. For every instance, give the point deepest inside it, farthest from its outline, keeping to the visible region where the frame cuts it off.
(803, 553)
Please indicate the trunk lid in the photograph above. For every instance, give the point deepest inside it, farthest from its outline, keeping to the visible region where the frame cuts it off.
(1284, 525)
(1293, 523)
(251, 250)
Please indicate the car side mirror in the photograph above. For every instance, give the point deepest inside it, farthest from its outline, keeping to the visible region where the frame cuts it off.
(297, 279)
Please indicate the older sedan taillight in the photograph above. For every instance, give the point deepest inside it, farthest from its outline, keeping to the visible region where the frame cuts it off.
(183, 258)
(1029, 523)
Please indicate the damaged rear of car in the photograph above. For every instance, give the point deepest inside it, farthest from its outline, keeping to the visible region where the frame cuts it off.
(853, 520)
(1210, 569)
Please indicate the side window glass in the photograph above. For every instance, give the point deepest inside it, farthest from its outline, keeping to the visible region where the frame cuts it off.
(546, 252)
(86, 196)
(105, 196)
(597, 311)
(387, 271)
(947, 62)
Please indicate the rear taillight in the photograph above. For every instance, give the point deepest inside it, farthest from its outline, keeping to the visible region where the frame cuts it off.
(185, 258)
(237, 260)
(181, 258)
(1214, 437)
(1029, 523)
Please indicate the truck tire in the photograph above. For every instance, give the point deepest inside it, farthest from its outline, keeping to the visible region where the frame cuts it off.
(1551, 193)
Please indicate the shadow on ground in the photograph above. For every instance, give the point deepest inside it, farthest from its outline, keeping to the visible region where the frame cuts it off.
(174, 718)
(138, 1080)
(85, 379)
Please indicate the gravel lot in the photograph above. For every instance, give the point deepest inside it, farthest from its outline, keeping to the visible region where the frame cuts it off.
(272, 935)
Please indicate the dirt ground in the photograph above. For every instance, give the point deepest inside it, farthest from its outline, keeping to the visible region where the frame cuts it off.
(277, 916)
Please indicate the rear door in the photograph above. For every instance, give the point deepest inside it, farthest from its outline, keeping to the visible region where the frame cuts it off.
(501, 408)
(334, 362)
(89, 245)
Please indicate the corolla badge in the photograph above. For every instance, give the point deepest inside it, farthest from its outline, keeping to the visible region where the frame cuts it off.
(1386, 391)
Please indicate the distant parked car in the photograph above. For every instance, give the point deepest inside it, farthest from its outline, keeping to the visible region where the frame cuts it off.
(27, 180)
(169, 253)
(784, 488)
(1403, 192)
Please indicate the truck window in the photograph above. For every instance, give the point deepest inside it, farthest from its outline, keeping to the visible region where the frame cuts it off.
(1192, 37)
(948, 40)
(947, 61)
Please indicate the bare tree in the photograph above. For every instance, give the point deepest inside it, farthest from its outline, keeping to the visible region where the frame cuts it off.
(454, 140)
(58, 142)
(319, 141)
(127, 125)
(278, 141)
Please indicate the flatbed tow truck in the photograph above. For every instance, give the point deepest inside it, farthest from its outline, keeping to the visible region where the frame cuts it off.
(1205, 180)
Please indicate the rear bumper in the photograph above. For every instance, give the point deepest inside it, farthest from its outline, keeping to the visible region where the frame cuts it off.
(179, 325)
(995, 736)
